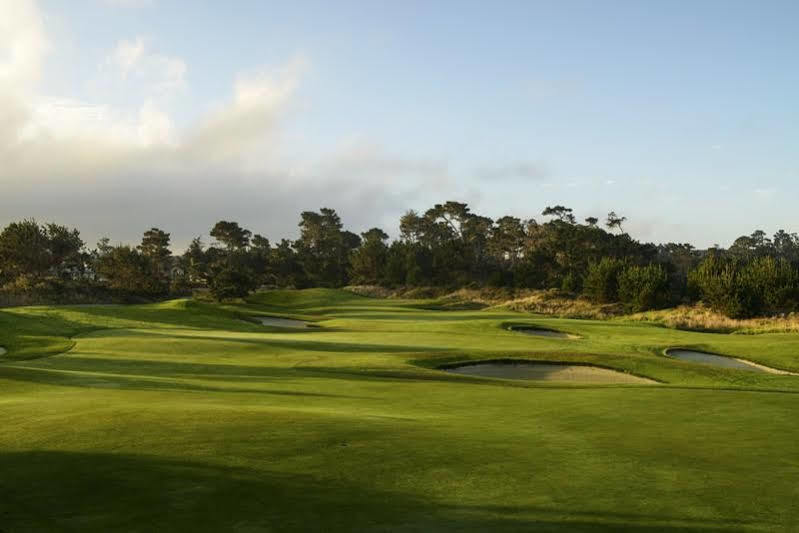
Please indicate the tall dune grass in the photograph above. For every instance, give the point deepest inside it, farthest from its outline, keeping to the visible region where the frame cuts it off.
(561, 304)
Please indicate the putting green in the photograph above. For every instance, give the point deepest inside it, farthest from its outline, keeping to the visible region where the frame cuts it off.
(184, 416)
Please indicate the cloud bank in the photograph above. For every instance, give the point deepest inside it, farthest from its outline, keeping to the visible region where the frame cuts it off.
(120, 170)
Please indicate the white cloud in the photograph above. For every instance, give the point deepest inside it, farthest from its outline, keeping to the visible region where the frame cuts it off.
(114, 169)
(60, 118)
(127, 54)
(157, 74)
(46, 137)
(145, 136)
(22, 44)
(239, 129)
(155, 126)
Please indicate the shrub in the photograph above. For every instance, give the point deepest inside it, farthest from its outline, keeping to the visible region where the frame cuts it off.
(742, 290)
(773, 284)
(643, 287)
(231, 277)
(601, 281)
(716, 281)
(571, 282)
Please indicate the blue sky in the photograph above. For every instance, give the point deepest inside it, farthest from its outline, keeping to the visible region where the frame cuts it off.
(682, 116)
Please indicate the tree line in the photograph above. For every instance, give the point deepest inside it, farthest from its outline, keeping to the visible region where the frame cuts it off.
(445, 246)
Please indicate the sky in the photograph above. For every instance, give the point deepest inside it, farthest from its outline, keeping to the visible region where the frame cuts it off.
(120, 115)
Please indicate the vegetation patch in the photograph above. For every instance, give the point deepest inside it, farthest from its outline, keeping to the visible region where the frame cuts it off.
(702, 318)
(370, 291)
(447, 258)
(557, 303)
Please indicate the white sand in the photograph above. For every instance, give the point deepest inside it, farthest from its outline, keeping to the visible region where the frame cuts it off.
(724, 361)
(282, 322)
(548, 372)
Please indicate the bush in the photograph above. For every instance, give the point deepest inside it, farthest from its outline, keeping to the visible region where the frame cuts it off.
(773, 284)
(231, 277)
(742, 290)
(716, 281)
(571, 282)
(601, 282)
(643, 287)
(53, 291)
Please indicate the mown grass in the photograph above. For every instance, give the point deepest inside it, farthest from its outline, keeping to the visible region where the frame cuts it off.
(184, 416)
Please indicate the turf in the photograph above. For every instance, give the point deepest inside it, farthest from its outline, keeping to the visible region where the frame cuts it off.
(185, 416)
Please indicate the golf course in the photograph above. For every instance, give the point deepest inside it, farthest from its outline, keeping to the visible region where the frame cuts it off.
(345, 416)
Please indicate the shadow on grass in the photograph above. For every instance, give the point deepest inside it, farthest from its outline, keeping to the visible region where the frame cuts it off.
(68, 491)
(31, 336)
(191, 315)
(299, 340)
(173, 376)
(426, 315)
(99, 379)
(45, 331)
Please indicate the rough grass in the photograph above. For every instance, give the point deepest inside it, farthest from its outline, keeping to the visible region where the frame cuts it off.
(184, 417)
(701, 318)
(560, 304)
(556, 303)
(547, 302)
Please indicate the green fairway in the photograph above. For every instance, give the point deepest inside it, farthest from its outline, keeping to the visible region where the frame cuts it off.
(187, 416)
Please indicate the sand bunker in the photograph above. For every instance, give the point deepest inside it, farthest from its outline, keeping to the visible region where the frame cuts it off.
(723, 361)
(531, 330)
(2, 351)
(547, 372)
(282, 322)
